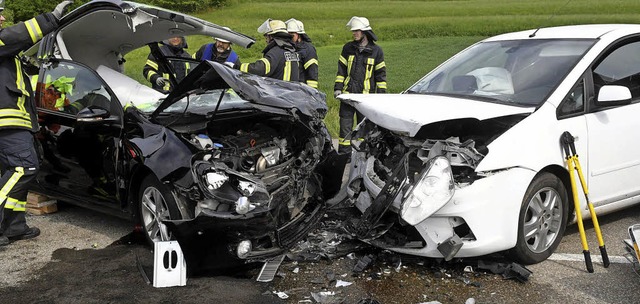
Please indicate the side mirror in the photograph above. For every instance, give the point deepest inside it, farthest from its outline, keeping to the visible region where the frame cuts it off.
(612, 95)
(92, 113)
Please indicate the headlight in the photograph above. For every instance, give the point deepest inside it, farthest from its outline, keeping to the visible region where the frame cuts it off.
(215, 180)
(432, 191)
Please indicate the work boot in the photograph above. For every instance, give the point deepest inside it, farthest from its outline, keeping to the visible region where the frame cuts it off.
(4, 240)
(30, 233)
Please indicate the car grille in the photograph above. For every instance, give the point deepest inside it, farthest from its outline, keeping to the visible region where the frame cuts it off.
(300, 226)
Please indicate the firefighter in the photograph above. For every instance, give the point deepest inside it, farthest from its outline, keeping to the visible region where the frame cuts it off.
(280, 59)
(157, 75)
(307, 52)
(18, 122)
(220, 51)
(361, 69)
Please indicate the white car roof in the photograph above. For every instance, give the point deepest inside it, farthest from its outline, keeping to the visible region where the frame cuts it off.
(586, 31)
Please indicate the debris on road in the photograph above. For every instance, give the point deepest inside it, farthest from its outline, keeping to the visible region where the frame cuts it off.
(507, 270)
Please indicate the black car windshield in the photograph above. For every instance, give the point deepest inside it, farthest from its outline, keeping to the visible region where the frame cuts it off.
(203, 103)
(523, 72)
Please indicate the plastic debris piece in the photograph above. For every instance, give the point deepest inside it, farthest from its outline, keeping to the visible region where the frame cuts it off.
(432, 302)
(351, 256)
(296, 270)
(281, 295)
(341, 283)
(468, 269)
(330, 275)
(364, 263)
(323, 296)
(508, 271)
(399, 265)
(470, 301)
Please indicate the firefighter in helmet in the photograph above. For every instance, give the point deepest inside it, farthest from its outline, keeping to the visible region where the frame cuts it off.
(307, 52)
(280, 59)
(361, 69)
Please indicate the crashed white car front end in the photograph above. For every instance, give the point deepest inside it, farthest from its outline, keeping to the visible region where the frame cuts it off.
(445, 207)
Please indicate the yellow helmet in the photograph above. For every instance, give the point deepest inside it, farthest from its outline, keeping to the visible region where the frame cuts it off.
(270, 27)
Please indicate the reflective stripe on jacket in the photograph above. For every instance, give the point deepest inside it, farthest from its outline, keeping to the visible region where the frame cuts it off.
(308, 63)
(152, 70)
(361, 70)
(17, 109)
(280, 61)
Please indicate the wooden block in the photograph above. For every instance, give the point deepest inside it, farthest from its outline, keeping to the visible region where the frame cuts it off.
(34, 198)
(51, 208)
(41, 204)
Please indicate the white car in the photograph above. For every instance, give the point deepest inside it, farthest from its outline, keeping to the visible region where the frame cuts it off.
(468, 160)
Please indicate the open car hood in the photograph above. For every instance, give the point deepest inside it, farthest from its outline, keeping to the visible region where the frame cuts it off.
(407, 113)
(265, 94)
(121, 26)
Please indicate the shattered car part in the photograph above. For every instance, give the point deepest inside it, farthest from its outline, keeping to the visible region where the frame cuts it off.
(507, 270)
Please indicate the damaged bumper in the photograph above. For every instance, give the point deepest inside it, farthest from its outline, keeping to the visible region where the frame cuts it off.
(466, 226)
(217, 240)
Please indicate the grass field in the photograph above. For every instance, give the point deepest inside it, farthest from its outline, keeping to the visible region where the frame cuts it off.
(415, 35)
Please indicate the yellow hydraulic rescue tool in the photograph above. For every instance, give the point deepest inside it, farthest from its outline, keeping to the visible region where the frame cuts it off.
(567, 141)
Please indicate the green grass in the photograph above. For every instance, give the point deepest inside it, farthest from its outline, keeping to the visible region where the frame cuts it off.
(415, 35)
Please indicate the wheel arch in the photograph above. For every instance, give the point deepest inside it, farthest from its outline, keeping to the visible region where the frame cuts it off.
(139, 172)
(562, 174)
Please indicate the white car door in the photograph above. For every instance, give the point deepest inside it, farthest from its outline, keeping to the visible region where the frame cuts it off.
(614, 131)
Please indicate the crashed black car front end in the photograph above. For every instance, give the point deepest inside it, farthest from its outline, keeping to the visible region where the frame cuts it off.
(254, 188)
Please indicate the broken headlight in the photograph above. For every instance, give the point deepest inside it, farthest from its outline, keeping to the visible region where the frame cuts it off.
(430, 192)
(216, 179)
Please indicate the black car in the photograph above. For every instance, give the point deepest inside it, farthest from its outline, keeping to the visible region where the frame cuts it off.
(227, 163)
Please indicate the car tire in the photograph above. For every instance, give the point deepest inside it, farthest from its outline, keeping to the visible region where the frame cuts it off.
(542, 220)
(155, 202)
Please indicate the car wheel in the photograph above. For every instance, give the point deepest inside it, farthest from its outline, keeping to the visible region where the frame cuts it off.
(542, 220)
(156, 202)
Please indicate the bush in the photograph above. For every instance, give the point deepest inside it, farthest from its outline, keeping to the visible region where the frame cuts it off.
(21, 10)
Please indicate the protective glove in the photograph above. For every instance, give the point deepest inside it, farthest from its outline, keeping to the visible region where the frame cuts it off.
(336, 93)
(61, 8)
(161, 81)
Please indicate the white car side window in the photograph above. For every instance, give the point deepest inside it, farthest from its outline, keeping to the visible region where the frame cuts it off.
(620, 67)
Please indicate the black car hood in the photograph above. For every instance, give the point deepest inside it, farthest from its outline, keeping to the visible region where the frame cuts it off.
(265, 94)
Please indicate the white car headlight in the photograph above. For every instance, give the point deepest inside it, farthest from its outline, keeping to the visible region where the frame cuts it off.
(432, 191)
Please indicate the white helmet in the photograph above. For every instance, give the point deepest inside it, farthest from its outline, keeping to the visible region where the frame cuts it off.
(1, 5)
(217, 38)
(270, 27)
(295, 26)
(359, 24)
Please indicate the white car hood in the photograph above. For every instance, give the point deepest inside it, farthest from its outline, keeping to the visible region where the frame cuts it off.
(407, 113)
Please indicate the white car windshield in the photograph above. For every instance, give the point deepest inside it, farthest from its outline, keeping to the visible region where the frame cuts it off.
(521, 72)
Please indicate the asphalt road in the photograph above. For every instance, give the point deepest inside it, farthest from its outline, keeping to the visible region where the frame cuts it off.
(563, 278)
(565, 272)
